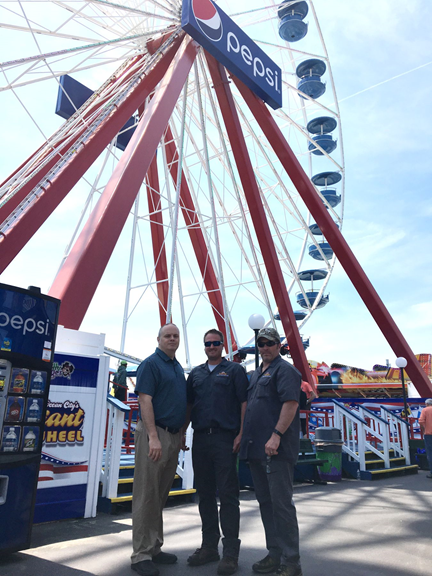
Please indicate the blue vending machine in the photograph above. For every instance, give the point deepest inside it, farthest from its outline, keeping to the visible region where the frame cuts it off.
(28, 326)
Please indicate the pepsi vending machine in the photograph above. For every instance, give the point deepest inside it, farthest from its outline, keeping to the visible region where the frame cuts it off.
(28, 326)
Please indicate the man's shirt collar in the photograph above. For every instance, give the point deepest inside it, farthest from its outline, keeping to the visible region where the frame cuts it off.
(164, 356)
(273, 363)
(224, 361)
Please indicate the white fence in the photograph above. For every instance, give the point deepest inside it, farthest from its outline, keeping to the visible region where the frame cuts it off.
(114, 446)
(363, 430)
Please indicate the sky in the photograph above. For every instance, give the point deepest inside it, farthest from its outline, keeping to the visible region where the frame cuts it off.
(381, 58)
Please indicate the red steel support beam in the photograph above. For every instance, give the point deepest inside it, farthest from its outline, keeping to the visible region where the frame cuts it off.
(158, 238)
(80, 275)
(262, 229)
(61, 148)
(337, 242)
(32, 219)
(197, 239)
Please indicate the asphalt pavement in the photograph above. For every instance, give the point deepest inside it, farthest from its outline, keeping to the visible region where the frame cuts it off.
(351, 528)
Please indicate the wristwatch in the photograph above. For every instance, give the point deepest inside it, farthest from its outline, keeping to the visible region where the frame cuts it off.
(277, 432)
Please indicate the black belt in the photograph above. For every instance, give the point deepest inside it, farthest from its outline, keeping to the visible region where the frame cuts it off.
(167, 428)
(213, 430)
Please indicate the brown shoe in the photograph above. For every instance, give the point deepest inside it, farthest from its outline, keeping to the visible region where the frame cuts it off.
(266, 566)
(203, 556)
(228, 565)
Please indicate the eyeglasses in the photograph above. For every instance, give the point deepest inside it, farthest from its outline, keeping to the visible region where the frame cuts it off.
(215, 343)
(268, 344)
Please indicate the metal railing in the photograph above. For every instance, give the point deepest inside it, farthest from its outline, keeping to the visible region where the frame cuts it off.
(320, 418)
(351, 424)
(120, 439)
(116, 411)
(398, 434)
(377, 435)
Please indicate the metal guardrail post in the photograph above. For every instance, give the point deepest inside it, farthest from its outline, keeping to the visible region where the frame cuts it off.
(116, 412)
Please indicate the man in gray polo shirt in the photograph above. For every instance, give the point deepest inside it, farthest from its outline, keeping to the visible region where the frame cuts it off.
(161, 390)
(270, 443)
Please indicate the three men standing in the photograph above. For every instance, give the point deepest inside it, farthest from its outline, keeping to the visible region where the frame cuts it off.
(161, 390)
(270, 443)
(216, 395)
(266, 431)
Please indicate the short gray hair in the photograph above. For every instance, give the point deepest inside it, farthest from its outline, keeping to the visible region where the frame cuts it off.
(162, 327)
(428, 402)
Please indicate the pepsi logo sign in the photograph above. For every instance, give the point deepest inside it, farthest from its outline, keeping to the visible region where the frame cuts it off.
(208, 19)
(222, 38)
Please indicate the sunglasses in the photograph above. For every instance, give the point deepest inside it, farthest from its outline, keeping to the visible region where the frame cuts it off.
(215, 343)
(269, 344)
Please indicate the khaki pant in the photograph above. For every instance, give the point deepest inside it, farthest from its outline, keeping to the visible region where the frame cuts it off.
(152, 483)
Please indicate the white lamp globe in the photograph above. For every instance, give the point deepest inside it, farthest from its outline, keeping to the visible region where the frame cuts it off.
(401, 362)
(256, 322)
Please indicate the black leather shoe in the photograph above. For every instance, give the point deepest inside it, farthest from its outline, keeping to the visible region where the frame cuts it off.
(266, 566)
(228, 565)
(289, 571)
(164, 558)
(203, 556)
(145, 568)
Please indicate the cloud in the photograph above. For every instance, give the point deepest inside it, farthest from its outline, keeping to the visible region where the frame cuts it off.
(417, 316)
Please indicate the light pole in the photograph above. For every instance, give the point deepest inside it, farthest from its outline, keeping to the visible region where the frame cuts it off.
(256, 322)
(401, 364)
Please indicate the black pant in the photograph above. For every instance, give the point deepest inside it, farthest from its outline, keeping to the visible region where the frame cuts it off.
(273, 485)
(215, 468)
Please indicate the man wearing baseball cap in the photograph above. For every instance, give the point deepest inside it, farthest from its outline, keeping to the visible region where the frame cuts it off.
(270, 443)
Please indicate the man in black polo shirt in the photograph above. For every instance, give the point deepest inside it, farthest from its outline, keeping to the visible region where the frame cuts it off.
(270, 443)
(216, 395)
(161, 390)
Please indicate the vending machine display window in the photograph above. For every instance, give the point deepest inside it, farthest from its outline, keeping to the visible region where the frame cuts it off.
(34, 410)
(30, 439)
(19, 381)
(38, 382)
(10, 438)
(15, 409)
(2, 380)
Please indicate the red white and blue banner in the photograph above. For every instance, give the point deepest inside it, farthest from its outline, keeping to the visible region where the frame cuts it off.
(68, 423)
(68, 477)
(222, 38)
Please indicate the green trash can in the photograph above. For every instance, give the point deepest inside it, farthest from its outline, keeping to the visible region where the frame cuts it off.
(328, 444)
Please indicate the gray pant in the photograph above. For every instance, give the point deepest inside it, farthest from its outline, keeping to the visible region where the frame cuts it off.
(273, 485)
(152, 483)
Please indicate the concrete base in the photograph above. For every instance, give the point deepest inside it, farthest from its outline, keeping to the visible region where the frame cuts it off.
(352, 528)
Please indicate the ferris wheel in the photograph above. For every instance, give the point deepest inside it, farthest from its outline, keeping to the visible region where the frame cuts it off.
(126, 81)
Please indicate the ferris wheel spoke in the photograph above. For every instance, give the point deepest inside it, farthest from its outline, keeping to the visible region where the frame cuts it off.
(175, 216)
(294, 210)
(195, 231)
(227, 218)
(250, 188)
(254, 268)
(290, 49)
(68, 51)
(125, 8)
(44, 32)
